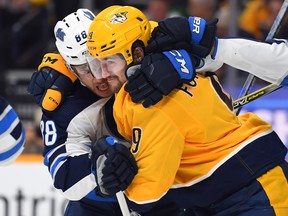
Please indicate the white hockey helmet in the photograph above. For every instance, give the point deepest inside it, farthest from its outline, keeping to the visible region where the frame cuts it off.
(71, 36)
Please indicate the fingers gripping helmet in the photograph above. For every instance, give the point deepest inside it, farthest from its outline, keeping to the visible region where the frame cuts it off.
(115, 29)
(71, 36)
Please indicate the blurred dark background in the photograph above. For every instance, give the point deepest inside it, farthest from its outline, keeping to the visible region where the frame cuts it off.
(26, 28)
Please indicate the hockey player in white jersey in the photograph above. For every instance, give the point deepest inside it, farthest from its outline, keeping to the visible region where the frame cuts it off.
(85, 115)
(12, 134)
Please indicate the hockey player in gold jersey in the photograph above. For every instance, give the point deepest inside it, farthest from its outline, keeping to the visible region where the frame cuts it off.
(190, 147)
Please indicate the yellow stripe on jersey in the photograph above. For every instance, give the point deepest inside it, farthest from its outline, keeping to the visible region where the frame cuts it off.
(275, 184)
(184, 138)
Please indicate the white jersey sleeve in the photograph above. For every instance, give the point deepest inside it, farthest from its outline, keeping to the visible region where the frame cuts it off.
(267, 61)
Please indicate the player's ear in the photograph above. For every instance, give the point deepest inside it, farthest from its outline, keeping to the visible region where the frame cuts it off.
(138, 51)
(138, 54)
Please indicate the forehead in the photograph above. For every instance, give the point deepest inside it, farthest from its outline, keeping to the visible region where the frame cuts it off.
(117, 56)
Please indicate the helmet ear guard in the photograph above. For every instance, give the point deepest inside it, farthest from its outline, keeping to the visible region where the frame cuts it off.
(115, 29)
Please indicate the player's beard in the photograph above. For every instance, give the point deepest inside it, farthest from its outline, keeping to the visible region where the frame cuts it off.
(115, 83)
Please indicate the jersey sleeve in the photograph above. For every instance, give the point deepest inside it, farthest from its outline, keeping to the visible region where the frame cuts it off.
(68, 134)
(267, 61)
(12, 134)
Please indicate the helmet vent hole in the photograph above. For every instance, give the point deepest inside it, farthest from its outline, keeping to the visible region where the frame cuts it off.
(107, 48)
(69, 47)
(140, 19)
(112, 42)
(104, 46)
(67, 25)
(82, 43)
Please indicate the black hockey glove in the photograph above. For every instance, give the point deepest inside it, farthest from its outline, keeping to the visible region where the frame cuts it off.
(158, 74)
(114, 166)
(50, 84)
(193, 34)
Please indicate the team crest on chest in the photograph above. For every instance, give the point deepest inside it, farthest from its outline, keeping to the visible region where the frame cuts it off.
(119, 18)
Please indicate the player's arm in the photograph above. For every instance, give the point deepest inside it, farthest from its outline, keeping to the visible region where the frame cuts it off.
(266, 60)
(158, 74)
(50, 84)
(67, 144)
(258, 58)
(12, 135)
(187, 41)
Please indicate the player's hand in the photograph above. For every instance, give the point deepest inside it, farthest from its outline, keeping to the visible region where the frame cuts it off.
(158, 74)
(193, 34)
(50, 84)
(114, 166)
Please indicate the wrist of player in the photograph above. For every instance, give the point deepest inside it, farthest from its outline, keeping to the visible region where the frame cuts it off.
(158, 75)
(203, 35)
(183, 63)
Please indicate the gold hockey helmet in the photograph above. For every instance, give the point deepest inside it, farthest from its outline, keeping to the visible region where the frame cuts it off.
(115, 29)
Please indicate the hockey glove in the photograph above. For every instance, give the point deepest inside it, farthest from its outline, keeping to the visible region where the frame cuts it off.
(158, 74)
(50, 84)
(114, 166)
(192, 34)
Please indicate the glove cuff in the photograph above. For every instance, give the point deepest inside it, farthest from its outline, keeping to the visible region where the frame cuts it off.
(197, 28)
(181, 61)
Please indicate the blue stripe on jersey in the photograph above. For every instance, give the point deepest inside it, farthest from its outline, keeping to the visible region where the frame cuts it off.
(92, 196)
(12, 151)
(46, 159)
(284, 82)
(55, 165)
(8, 119)
(59, 150)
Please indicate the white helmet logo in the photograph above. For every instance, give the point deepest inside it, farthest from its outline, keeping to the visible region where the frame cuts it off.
(119, 18)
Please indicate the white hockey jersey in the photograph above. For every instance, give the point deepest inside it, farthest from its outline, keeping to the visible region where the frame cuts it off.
(266, 60)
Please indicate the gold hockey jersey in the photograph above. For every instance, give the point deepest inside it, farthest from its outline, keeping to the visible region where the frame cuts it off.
(187, 137)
